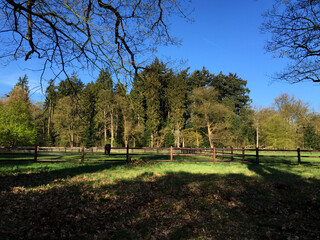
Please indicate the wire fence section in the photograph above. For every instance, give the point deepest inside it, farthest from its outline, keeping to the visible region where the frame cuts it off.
(214, 155)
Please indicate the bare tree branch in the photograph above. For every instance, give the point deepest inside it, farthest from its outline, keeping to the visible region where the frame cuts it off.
(295, 29)
(86, 34)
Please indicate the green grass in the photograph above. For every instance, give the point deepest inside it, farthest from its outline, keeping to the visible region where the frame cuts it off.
(119, 155)
(161, 200)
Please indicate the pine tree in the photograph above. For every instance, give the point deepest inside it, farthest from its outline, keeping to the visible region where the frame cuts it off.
(311, 139)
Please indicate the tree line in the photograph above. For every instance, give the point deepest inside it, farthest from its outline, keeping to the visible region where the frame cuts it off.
(163, 108)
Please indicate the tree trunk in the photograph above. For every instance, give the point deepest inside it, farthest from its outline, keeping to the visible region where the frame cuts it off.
(111, 128)
(257, 140)
(210, 135)
(71, 139)
(197, 139)
(49, 120)
(105, 127)
(177, 135)
(151, 140)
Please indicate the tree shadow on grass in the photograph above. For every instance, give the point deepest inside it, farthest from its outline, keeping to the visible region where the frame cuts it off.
(178, 205)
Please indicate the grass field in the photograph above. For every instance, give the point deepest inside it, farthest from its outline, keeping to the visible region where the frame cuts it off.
(164, 154)
(164, 200)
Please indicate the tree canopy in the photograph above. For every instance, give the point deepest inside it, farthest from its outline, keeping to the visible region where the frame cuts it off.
(163, 108)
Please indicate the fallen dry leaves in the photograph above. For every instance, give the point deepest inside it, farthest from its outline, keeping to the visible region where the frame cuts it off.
(172, 206)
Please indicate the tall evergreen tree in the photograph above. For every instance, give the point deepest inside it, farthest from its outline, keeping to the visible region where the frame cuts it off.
(232, 91)
(89, 98)
(49, 105)
(24, 83)
(106, 108)
(311, 139)
(153, 83)
(199, 78)
(177, 100)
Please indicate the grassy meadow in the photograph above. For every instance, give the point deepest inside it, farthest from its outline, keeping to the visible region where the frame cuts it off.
(74, 154)
(159, 200)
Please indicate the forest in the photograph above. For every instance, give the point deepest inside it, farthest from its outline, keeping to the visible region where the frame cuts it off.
(162, 107)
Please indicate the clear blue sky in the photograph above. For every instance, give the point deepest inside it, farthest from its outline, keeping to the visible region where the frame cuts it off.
(224, 37)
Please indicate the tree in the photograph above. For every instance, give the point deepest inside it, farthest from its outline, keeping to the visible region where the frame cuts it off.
(150, 93)
(88, 102)
(20, 92)
(49, 105)
(24, 83)
(311, 139)
(39, 119)
(295, 29)
(106, 107)
(242, 129)
(127, 113)
(176, 93)
(16, 125)
(232, 91)
(278, 133)
(207, 112)
(191, 138)
(93, 33)
(70, 87)
(67, 122)
(199, 79)
(295, 112)
(260, 116)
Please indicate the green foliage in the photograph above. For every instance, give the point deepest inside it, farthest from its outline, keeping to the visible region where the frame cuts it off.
(88, 101)
(68, 124)
(16, 125)
(70, 87)
(311, 139)
(210, 114)
(163, 108)
(23, 82)
(232, 91)
(169, 140)
(242, 129)
(192, 138)
(278, 133)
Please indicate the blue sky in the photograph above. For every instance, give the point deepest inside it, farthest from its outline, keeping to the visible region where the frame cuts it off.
(224, 37)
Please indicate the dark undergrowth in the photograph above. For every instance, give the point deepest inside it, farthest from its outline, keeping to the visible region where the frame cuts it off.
(149, 201)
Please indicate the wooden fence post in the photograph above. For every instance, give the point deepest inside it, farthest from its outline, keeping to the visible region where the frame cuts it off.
(214, 154)
(231, 153)
(171, 153)
(36, 153)
(257, 155)
(222, 153)
(82, 154)
(243, 151)
(127, 153)
(299, 156)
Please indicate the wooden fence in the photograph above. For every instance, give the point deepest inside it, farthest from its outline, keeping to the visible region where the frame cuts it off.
(169, 154)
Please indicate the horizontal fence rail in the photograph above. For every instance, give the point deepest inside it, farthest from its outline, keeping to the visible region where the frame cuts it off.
(255, 155)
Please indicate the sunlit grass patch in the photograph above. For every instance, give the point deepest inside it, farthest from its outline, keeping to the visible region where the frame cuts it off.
(166, 200)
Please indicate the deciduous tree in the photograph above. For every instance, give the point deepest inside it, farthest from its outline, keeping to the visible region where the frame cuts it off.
(294, 26)
(207, 112)
(93, 33)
